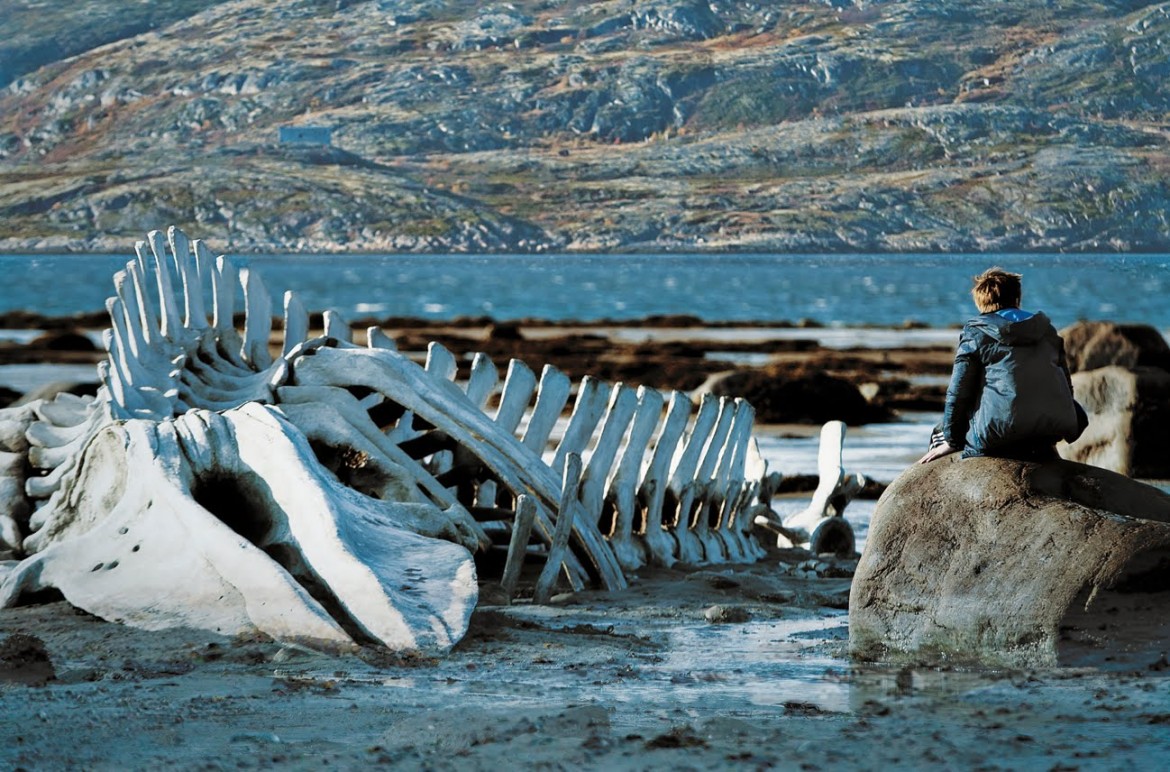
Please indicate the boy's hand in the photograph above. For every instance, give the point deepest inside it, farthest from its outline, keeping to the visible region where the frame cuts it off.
(936, 453)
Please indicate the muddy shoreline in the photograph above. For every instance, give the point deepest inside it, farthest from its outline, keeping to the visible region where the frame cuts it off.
(662, 352)
(648, 678)
(710, 667)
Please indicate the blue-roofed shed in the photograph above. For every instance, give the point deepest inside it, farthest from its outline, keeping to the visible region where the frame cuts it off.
(306, 135)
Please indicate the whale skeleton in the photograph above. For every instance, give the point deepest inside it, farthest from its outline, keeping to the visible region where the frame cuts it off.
(334, 493)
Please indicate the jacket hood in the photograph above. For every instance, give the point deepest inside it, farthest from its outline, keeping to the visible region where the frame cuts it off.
(1024, 332)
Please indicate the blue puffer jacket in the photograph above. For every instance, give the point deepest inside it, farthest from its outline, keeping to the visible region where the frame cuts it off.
(1010, 385)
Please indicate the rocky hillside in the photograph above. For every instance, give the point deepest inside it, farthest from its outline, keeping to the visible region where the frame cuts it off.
(895, 125)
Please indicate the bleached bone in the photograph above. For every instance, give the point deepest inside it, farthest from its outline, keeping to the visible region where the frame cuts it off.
(443, 405)
(821, 526)
(377, 338)
(159, 367)
(695, 495)
(729, 497)
(569, 506)
(14, 423)
(518, 544)
(55, 448)
(716, 448)
(622, 404)
(241, 494)
(744, 491)
(368, 432)
(623, 487)
(657, 535)
(480, 383)
(163, 364)
(552, 394)
(519, 385)
(441, 362)
(331, 418)
(63, 410)
(296, 325)
(588, 409)
(14, 504)
(727, 483)
(683, 480)
(258, 321)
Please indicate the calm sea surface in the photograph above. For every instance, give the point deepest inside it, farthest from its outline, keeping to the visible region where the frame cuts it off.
(836, 290)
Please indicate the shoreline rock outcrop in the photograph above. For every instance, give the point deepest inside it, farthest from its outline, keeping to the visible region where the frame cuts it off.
(1014, 564)
(1121, 376)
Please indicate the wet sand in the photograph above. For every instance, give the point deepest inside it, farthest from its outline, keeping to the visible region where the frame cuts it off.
(716, 667)
(633, 680)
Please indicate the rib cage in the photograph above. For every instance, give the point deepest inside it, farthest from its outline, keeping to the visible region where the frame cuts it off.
(660, 479)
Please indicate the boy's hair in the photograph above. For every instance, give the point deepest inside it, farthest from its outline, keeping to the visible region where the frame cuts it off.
(996, 288)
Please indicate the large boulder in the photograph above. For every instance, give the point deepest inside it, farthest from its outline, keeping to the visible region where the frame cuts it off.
(1129, 421)
(802, 397)
(1016, 564)
(1090, 345)
(69, 340)
(1121, 375)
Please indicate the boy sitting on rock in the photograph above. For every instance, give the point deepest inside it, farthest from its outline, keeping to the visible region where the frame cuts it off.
(1010, 394)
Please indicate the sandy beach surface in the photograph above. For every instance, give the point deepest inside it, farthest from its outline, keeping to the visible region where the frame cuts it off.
(713, 667)
(724, 667)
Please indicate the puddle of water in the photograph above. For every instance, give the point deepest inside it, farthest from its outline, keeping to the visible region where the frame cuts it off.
(881, 452)
(741, 358)
(826, 337)
(21, 337)
(753, 668)
(764, 663)
(26, 377)
(878, 451)
(929, 380)
(24, 337)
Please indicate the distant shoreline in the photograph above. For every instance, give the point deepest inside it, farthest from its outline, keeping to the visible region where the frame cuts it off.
(26, 320)
(632, 250)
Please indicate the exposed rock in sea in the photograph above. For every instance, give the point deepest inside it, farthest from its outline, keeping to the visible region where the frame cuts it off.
(1121, 376)
(1014, 564)
(1129, 420)
(1089, 345)
(780, 396)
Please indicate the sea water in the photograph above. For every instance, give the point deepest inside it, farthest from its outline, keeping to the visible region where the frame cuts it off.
(832, 290)
(880, 452)
(851, 300)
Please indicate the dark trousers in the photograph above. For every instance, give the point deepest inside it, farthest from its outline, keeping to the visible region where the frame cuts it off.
(1033, 450)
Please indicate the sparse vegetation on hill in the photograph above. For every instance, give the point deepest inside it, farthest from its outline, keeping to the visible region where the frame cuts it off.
(575, 125)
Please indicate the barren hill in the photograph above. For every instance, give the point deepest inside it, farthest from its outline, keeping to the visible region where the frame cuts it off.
(573, 125)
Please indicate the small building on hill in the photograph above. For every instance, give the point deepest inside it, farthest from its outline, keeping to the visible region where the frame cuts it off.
(306, 135)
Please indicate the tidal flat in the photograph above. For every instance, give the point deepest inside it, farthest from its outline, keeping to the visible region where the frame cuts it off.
(709, 667)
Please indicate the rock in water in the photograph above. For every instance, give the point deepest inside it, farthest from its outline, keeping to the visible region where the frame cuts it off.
(1090, 345)
(1121, 375)
(1013, 563)
(1129, 420)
